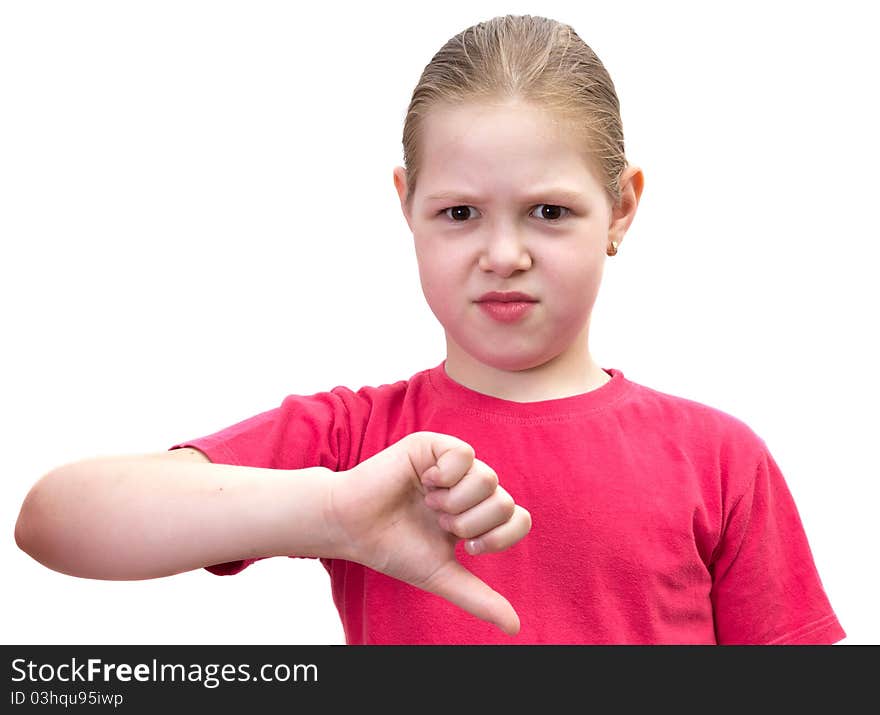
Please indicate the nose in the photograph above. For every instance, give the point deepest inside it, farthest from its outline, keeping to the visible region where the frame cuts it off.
(504, 252)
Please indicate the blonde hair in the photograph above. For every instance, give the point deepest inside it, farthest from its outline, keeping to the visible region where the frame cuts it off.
(530, 59)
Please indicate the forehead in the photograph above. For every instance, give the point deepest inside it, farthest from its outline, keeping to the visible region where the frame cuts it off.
(507, 144)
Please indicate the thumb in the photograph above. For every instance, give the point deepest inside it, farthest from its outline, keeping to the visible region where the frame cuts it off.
(457, 585)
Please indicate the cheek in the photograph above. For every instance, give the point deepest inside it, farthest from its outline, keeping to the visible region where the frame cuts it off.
(575, 282)
(438, 273)
(572, 268)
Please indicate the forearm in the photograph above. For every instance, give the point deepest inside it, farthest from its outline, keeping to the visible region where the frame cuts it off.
(128, 518)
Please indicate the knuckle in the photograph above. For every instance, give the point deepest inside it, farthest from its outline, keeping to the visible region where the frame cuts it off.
(463, 531)
(508, 505)
(468, 527)
(495, 542)
(467, 533)
(490, 544)
(490, 478)
(453, 525)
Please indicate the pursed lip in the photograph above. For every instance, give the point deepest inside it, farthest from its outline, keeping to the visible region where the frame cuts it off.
(506, 297)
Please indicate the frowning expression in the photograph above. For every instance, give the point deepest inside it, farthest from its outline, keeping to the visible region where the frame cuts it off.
(506, 201)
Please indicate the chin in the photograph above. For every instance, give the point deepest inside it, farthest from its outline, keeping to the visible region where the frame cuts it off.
(512, 360)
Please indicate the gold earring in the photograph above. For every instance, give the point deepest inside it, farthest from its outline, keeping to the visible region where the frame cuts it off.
(612, 251)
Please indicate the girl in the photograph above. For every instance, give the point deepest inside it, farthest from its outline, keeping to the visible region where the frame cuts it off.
(517, 492)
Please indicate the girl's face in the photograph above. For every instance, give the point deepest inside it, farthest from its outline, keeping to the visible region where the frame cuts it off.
(506, 202)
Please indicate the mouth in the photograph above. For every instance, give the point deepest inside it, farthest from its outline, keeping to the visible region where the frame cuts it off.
(506, 297)
(507, 311)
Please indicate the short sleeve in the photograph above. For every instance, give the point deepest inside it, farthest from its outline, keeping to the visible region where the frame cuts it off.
(304, 431)
(766, 588)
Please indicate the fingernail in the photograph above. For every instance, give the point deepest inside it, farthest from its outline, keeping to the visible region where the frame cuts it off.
(475, 546)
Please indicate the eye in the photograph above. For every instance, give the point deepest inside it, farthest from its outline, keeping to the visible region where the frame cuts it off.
(460, 213)
(554, 211)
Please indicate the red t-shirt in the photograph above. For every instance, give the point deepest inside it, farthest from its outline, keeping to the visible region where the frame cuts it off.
(655, 519)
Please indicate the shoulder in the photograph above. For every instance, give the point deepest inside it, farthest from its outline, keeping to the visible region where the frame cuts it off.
(692, 421)
(720, 450)
(360, 401)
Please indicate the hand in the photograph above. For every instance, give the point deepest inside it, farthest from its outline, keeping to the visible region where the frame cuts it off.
(401, 512)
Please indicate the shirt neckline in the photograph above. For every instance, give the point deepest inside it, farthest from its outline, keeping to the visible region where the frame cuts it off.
(465, 399)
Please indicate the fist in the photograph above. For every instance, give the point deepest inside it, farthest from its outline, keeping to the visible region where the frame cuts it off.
(471, 504)
(402, 511)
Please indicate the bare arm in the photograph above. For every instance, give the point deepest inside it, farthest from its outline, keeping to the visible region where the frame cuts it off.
(400, 512)
(152, 515)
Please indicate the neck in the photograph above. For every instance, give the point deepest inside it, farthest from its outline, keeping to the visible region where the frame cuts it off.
(572, 372)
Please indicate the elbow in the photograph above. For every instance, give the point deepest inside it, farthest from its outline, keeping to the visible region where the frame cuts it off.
(36, 531)
(20, 536)
(27, 524)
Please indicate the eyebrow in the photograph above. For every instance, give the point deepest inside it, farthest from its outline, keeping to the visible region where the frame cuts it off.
(569, 195)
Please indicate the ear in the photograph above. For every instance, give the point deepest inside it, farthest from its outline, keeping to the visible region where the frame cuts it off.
(632, 181)
(400, 185)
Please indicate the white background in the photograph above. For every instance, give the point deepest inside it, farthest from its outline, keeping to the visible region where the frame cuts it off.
(198, 217)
